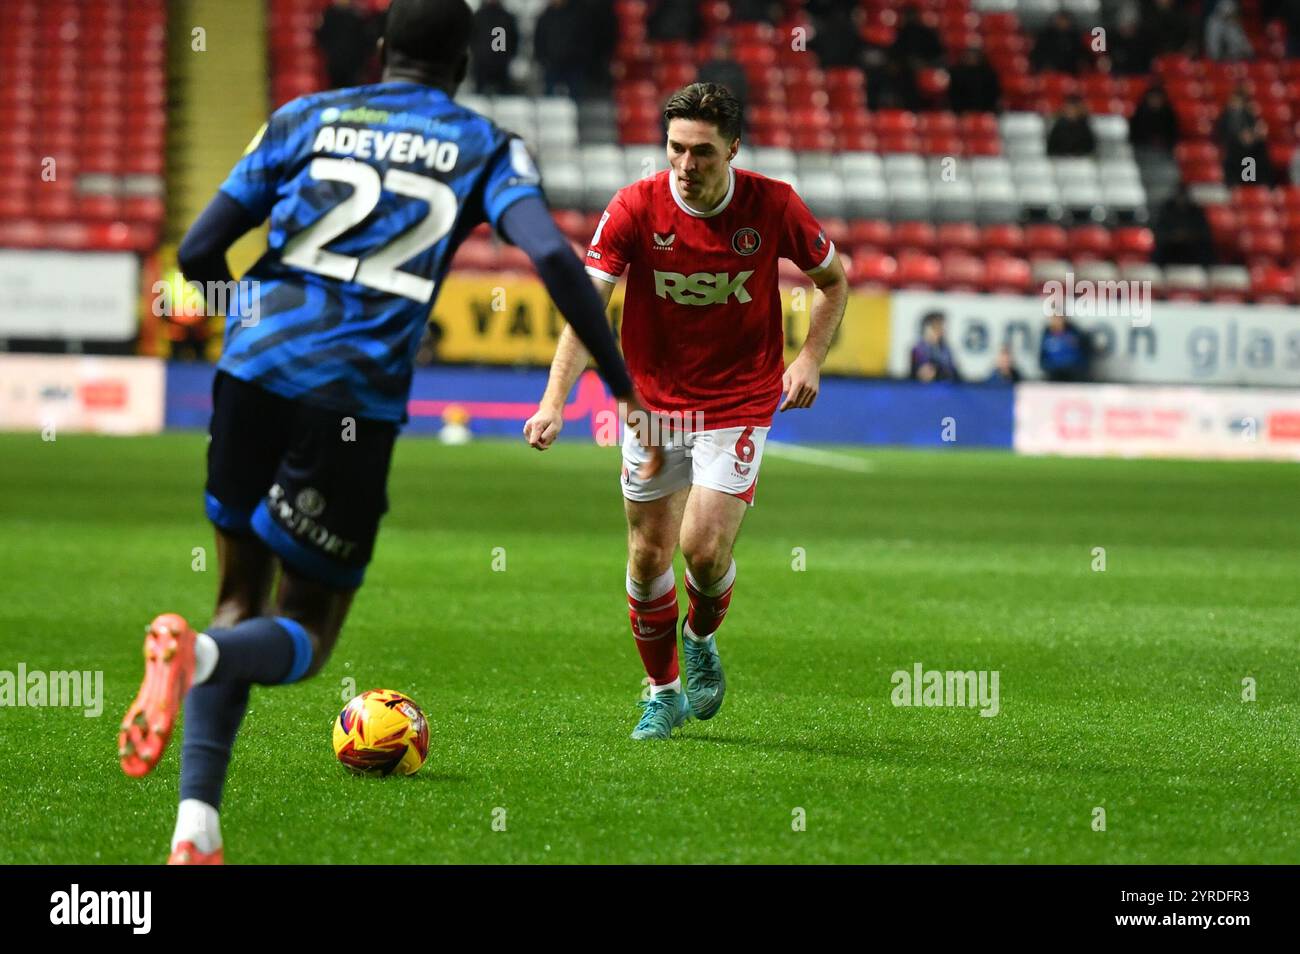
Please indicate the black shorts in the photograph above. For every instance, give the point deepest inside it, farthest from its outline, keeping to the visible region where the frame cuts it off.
(311, 483)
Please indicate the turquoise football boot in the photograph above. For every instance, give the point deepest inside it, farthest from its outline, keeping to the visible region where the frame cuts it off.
(705, 682)
(660, 714)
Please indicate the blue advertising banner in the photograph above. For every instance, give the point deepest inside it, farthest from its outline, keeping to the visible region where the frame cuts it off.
(497, 401)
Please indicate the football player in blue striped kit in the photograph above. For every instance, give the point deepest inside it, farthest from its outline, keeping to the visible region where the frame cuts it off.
(369, 191)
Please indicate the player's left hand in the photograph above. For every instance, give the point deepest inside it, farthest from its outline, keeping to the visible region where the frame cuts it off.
(800, 383)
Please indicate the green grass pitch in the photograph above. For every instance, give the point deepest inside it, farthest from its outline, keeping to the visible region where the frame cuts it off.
(1120, 690)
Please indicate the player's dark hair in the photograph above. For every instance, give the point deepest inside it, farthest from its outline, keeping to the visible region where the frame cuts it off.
(434, 32)
(709, 103)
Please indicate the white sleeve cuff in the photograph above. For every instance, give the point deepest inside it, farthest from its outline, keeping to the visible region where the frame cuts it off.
(825, 261)
(595, 272)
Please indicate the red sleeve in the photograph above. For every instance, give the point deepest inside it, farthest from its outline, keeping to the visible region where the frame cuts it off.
(611, 245)
(803, 240)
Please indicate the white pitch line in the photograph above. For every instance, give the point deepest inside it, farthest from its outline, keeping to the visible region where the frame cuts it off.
(824, 458)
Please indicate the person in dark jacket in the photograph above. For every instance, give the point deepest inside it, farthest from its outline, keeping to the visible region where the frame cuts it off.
(931, 357)
(1072, 134)
(1004, 370)
(1154, 125)
(1065, 353)
(1059, 48)
(1130, 49)
(1238, 113)
(561, 48)
(493, 48)
(1182, 232)
(674, 20)
(1247, 161)
(755, 11)
(973, 85)
(1167, 28)
(346, 42)
(837, 40)
(916, 45)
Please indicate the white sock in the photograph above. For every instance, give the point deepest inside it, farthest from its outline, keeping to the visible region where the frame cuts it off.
(205, 657)
(718, 586)
(674, 686)
(690, 634)
(197, 822)
(650, 589)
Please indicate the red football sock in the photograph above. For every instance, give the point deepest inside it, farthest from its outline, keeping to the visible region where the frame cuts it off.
(652, 609)
(709, 603)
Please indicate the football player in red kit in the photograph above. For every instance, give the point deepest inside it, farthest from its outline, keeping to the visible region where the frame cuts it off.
(703, 338)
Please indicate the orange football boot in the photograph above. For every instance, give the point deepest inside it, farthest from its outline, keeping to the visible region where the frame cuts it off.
(168, 673)
(186, 854)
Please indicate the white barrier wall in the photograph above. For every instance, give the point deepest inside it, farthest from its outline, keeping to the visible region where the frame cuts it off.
(1093, 420)
(1172, 343)
(101, 395)
(70, 295)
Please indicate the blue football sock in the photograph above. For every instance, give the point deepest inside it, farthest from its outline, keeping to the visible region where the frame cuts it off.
(268, 650)
(264, 650)
(213, 712)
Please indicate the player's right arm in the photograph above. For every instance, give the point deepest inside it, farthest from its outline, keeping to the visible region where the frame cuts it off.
(567, 366)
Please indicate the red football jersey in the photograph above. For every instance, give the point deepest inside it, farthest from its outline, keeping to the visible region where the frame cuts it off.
(702, 324)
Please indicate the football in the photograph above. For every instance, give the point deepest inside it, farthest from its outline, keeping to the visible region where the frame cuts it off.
(381, 732)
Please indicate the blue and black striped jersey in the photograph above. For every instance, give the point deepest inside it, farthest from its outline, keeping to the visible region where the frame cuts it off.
(369, 192)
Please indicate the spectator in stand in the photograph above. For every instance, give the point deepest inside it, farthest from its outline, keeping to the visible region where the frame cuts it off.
(1247, 161)
(1288, 11)
(1065, 353)
(973, 85)
(1167, 28)
(931, 357)
(754, 11)
(602, 34)
(346, 43)
(1072, 134)
(1238, 114)
(890, 85)
(1182, 232)
(561, 48)
(725, 71)
(1130, 49)
(493, 47)
(1154, 125)
(1294, 168)
(1004, 370)
(1059, 48)
(837, 39)
(916, 45)
(674, 20)
(1225, 37)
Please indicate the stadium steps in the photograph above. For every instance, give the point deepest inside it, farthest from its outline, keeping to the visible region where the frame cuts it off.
(218, 101)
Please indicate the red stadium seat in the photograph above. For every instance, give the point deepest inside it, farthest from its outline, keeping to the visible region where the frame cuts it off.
(1261, 246)
(1272, 285)
(875, 270)
(1090, 243)
(1133, 244)
(1008, 274)
(917, 270)
(1045, 241)
(958, 237)
(871, 235)
(962, 272)
(914, 237)
(1003, 238)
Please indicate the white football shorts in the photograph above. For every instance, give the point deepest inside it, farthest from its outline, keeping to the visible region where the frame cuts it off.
(726, 460)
